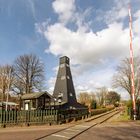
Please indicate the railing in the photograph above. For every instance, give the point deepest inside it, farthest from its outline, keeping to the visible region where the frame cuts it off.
(70, 115)
(28, 117)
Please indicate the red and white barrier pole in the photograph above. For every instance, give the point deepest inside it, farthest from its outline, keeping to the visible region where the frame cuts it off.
(132, 66)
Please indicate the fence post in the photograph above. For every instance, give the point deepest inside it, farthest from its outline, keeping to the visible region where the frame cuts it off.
(1, 117)
(56, 114)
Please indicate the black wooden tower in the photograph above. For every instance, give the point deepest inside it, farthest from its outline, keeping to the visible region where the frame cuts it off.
(64, 90)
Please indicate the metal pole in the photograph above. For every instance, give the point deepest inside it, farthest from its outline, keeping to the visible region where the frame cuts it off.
(138, 71)
(8, 88)
(132, 66)
(2, 86)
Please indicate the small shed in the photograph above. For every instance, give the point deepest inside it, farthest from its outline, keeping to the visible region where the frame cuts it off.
(37, 100)
(10, 105)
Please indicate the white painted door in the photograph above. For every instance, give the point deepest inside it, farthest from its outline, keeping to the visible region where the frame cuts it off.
(26, 106)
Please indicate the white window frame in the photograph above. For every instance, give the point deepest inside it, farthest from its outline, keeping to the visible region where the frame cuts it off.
(63, 77)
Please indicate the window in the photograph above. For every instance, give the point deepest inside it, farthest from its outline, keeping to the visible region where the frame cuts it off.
(62, 65)
(63, 77)
(71, 94)
(67, 65)
(71, 107)
(68, 77)
(34, 103)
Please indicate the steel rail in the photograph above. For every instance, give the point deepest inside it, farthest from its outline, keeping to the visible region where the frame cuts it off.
(80, 124)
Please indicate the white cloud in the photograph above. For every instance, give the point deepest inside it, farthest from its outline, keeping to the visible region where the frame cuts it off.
(51, 83)
(118, 12)
(136, 23)
(137, 14)
(87, 49)
(136, 32)
(31, 5)
(80, 20)
(64, 8)
(95, 79)
(93, 47)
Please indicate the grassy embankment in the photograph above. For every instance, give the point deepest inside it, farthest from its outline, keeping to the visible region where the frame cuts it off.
(124, 116)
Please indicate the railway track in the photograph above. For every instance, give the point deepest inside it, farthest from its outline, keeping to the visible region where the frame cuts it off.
(73, 131)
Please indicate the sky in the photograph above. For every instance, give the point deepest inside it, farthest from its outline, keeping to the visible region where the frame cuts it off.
(93, 34)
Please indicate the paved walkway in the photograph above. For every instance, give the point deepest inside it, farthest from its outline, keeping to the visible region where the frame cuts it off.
(112, 131)
(72, 132)
(106, 131)
(29, 133)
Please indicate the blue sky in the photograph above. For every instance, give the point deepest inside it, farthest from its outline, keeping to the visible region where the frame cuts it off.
(94, 34)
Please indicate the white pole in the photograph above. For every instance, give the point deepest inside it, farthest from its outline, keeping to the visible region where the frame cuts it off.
(132, 66)
(2, 86)
(8, 88)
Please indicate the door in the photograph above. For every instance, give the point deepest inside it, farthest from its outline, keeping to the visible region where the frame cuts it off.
(26, 106)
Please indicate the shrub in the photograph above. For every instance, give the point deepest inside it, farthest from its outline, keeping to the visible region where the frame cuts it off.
(100, 111)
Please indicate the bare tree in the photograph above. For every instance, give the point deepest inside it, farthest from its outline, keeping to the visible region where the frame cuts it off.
(138, 76)
(113, 97)
(2, 82)
(101, 95)
(86, 98)
(29, 74)
(6, 80)
(122, 78)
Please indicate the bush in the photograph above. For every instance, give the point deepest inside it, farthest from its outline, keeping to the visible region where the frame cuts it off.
(93, 105)
(129, 104)
(100, 111)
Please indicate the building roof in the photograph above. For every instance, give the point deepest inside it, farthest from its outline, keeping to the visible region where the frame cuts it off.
(8, 103)
(34, 95)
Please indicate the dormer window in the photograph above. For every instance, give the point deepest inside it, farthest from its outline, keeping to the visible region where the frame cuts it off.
(63, 77)
(62, 65)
